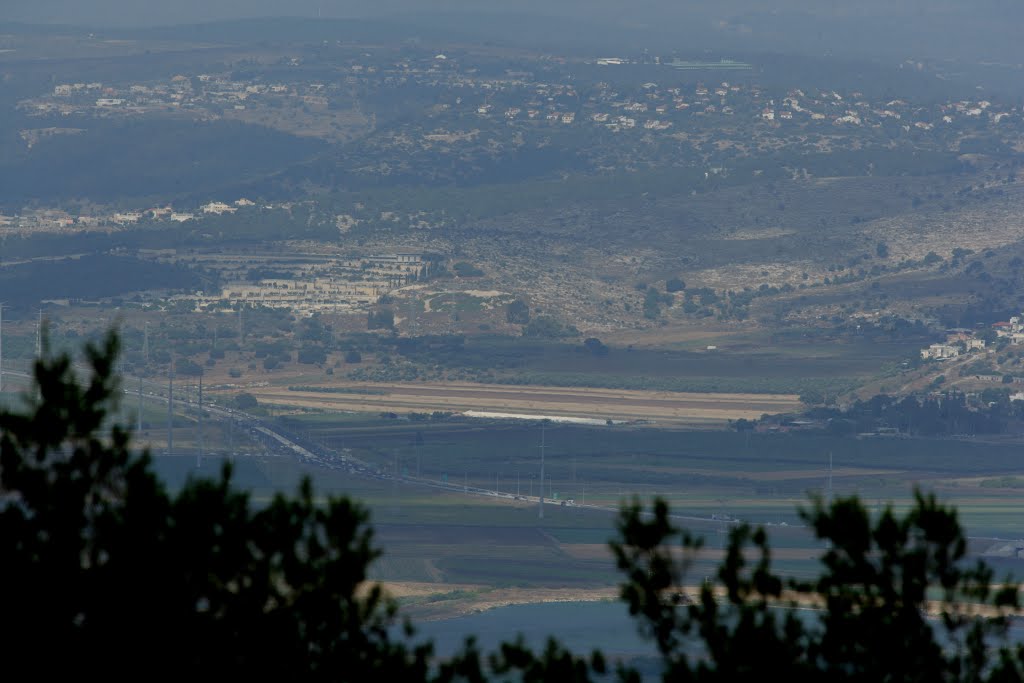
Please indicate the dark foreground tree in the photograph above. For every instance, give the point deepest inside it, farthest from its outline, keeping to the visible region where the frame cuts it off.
(103, 573)
(897, 600)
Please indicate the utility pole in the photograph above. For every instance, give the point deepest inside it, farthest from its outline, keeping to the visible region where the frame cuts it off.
(170, 409)
(145, 343)
(543, 447)
(138, 426)
(39, 336)
(199, 456)
(1, 347)
(828, 544)
(395, 507)
(830, 478)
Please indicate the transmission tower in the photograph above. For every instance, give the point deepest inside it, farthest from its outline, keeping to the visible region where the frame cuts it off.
(138, 427)
(828, 500)
(830, 478)
(170, 408)
(199, 455)
(1, 347)
(543, 447)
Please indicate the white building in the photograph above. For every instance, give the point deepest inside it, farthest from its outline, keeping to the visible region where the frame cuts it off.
(124, 218)
(218, 208)
(940, 352)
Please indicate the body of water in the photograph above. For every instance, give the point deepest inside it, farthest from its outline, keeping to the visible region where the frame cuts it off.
(581, 626)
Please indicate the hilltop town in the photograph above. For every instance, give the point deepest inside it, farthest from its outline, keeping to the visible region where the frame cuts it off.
(715, 203)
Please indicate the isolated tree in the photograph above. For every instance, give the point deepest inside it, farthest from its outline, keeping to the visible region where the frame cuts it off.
(311, 355)
(187, 368)
(245, 401)
(595, 346)
(674, 285)
(517, 312)
(652, 304)
(812, 397)
(383, 319)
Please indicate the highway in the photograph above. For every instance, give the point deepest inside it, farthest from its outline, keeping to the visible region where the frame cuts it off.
(284, 442)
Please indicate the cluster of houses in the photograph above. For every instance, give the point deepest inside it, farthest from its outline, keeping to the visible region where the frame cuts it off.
(1013, 330)
(311, 285)
(514, 96)
(960, 341)
(653, 107)
(957, 342)
(59, 221)
(180, 92)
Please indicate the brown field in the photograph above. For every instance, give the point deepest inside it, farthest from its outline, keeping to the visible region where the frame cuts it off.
(600, 551)
(471, 598)
(768, 475)
(481, 598)
(614, 404)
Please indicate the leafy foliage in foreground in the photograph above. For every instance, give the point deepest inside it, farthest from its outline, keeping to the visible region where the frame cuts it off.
(881, 579)
(106, 572)
(102, 565)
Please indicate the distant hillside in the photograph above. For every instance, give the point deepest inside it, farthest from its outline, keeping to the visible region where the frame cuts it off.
(165, 159)
(91, 277)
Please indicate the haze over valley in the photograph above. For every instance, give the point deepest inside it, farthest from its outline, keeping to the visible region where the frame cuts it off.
(721, 253)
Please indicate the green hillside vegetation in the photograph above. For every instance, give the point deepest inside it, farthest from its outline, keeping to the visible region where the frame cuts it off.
(112, 162)
(95, 276)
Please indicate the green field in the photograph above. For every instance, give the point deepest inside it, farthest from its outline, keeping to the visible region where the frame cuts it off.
(447, 537)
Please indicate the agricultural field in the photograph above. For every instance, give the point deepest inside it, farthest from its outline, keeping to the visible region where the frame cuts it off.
(610, 405)
(452, 546)
(361, 241)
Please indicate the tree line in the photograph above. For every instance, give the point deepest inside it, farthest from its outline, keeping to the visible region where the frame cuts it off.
(106, 573)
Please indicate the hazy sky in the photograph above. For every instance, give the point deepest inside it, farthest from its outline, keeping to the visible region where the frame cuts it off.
(973, 29)
(147, 12)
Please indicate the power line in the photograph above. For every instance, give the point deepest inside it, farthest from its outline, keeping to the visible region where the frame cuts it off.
(138, 427)
(1, 347)
(199, 456)
(828, 544)
(543, 447)
(170, 404)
